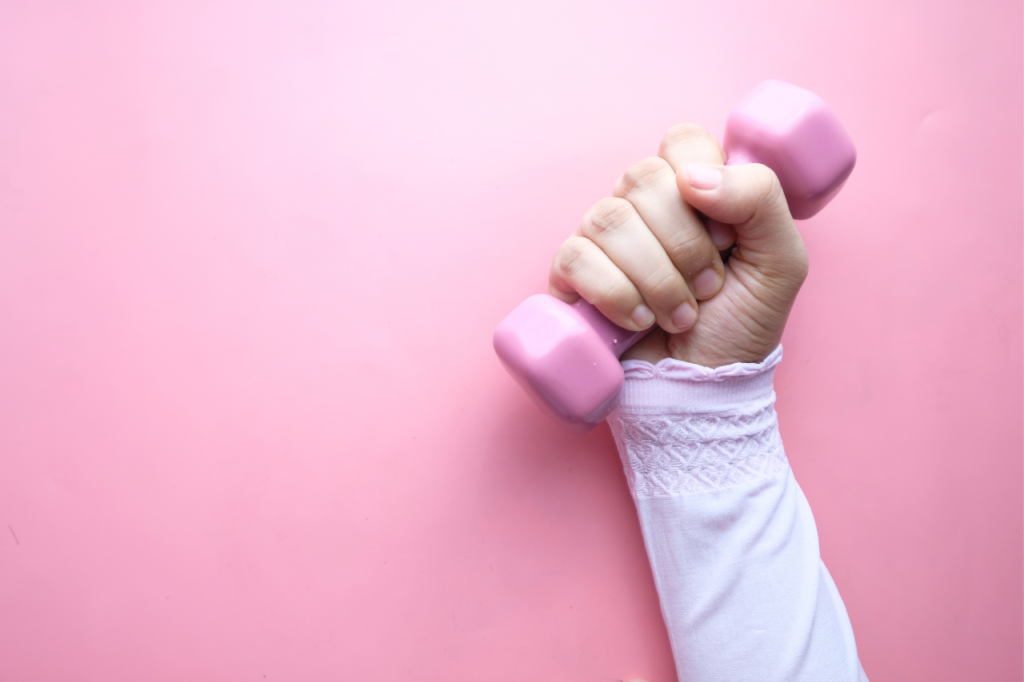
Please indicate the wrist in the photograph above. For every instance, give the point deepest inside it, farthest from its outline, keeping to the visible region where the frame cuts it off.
(713, 358)
(698, 347)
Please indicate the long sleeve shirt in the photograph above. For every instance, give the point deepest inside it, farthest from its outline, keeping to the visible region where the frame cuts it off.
(731, 538)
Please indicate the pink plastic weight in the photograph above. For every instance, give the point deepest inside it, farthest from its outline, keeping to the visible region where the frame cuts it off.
(566, 357)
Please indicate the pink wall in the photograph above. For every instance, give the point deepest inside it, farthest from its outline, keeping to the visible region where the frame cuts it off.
(251, 255)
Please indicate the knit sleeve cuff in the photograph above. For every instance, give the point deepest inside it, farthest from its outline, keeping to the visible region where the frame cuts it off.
(682, 429)
(677, 387)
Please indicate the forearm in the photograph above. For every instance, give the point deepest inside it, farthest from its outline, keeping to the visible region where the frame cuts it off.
(731, 539)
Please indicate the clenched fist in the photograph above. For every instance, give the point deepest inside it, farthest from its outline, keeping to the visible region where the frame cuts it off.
(646, 256)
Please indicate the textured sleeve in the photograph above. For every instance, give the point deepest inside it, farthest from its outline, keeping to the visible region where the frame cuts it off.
(729, 533)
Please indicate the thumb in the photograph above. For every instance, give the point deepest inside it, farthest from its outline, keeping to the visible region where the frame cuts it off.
(750, 198)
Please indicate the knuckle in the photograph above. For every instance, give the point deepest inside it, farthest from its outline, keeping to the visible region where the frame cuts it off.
(614, 295)
(641, 176)
(691, 252)
(767, 185)
(607, 215)
(663, 285)
(685, 133)
(570, 258)
(790, 269)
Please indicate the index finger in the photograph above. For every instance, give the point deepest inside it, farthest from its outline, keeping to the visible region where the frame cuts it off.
(690, 143)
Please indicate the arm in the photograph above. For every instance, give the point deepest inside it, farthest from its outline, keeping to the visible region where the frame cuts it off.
(730, 536)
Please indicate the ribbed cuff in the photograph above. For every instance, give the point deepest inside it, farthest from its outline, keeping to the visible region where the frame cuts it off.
(677, 387)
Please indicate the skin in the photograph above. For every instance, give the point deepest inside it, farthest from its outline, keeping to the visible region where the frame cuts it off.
(645, 256)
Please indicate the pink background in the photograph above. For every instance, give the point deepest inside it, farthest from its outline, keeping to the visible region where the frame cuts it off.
(251, 255)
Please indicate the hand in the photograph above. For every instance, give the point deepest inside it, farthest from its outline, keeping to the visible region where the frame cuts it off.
(645, 256)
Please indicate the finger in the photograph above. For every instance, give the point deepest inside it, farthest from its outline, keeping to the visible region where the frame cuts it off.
(581, 268)
(650, 186)
(615, 226)
(721, 234)
(750, 198)
(689, 143)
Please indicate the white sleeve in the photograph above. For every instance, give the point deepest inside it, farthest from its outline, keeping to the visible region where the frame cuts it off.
(729, 533)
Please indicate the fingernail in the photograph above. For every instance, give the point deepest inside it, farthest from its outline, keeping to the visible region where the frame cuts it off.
(684, 317)
(706, 284)
(703, 176)
(720, 234)
(642, 316)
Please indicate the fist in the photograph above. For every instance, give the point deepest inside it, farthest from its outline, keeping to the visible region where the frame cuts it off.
(653, 254)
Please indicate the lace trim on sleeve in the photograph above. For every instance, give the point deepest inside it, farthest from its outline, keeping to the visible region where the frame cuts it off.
(685, 371)
(668, 455)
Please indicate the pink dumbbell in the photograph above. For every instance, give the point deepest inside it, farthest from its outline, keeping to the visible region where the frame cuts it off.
(567, 356)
